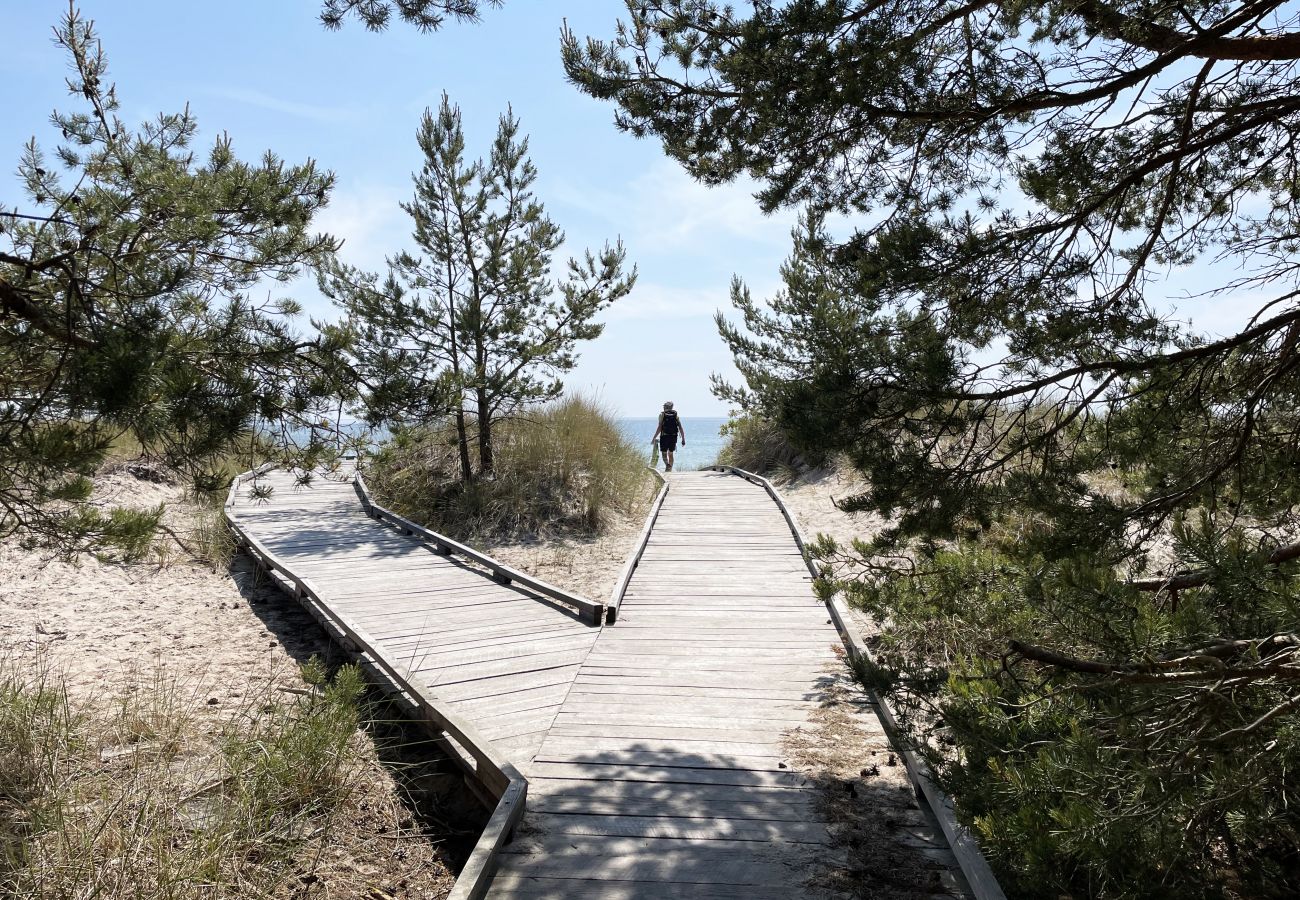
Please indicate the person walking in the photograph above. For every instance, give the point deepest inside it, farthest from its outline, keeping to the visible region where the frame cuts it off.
(670, 426)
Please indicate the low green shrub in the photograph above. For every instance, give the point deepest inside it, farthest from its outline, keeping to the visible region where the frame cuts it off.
(1102, 741)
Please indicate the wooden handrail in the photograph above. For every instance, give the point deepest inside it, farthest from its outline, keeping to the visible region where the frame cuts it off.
(491, 769)
(242, 477)
(593, 613)
(625, 576)
(965, 847)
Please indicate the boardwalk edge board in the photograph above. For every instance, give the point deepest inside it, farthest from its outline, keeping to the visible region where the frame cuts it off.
(493, 772)
(625, 576)
(983, 883)
(593, 613)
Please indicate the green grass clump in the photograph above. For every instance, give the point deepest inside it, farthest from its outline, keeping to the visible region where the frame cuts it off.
(563, 469)
(288, 762)
(211, 540)
(141, 795)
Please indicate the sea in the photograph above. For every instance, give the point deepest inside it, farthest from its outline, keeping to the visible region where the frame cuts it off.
(703, 440)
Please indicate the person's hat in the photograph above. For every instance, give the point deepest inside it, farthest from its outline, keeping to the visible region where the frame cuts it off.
(668, 404)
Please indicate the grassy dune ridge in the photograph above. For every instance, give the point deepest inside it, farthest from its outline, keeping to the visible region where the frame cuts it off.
(565, 468)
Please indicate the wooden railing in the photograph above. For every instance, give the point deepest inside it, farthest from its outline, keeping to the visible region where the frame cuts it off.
(983, 883)
(485, 765)
(592, 613)
(625, 576)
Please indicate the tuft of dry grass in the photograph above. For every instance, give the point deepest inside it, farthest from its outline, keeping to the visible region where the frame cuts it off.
(138, 794)
(758, 445)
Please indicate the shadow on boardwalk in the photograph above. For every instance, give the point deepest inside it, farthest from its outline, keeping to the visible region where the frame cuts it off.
(815, 817)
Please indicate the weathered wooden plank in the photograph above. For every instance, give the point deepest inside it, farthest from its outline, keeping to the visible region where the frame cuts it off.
(536, 722)
(559, 642)
(723, 700)
(505, 685)
(707, 671)
(473, 602)
(438, 675)
(703, 683)
(548, 786)
(748, 721)
(486, 709)
(663, 654)
(764, 734)
(402, 625)
(579, 704)
(714, 828)
(657, 771)
(482, 634)
(587, 799)
(540, 887)
(522, 746)
(676, 862)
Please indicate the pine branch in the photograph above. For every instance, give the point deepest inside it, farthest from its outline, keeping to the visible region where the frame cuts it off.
(1185, 580)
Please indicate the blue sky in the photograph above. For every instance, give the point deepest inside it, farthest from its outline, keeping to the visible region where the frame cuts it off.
(271, 76)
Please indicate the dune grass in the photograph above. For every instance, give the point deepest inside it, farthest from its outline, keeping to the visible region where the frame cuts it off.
(139, 794)
(758, 445)
(562, 469)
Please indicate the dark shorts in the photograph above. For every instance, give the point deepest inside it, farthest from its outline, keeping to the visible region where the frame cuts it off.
(667, 442)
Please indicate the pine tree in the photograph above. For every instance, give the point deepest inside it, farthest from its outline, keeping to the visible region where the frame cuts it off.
(474, 328)
(1087, 588)
(125, 306)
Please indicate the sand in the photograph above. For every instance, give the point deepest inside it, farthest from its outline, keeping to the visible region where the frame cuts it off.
(587, 565)
(108, 628)
(812, 497)
(95, 621)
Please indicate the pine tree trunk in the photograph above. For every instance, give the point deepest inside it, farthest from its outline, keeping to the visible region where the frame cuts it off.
(462, 433)
(484, 434)
(462, 444)
(485, 461)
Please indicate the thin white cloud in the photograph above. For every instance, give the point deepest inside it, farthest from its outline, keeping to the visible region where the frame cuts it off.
(657, 301)
(310, 111)
(367, 217)
(663, 209)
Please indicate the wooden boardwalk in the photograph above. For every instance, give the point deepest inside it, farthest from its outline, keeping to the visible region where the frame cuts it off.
(503, 657)
(666, 772)
(663, 754)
